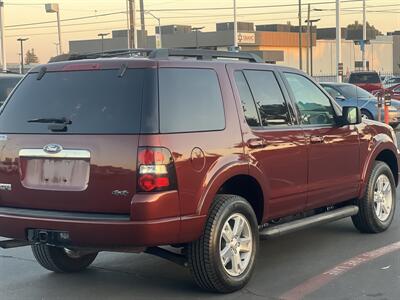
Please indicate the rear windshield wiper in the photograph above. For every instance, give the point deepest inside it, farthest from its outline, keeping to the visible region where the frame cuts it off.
(63, 121)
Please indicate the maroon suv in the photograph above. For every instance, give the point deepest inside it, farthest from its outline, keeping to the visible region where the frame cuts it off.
(203, 151)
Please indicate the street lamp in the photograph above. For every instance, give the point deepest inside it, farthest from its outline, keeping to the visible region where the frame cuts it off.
(102, 35)
(22, 40)
(196, 30)
(55, 8)
(158, 45)
(310, 24)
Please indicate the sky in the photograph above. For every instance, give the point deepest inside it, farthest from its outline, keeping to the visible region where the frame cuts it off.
(20, 14)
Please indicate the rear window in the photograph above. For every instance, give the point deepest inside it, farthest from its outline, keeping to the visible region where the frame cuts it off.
(96, 102)
(364, 78)
(190, 100)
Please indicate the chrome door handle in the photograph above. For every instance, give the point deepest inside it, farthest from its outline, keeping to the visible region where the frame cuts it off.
(256, 143)
(317, 139)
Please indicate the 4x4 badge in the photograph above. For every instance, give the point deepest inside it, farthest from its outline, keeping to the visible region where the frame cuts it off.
(53, 148)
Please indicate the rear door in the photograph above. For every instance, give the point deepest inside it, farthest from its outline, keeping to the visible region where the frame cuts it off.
(274, 142)
(69, 140)
(334, 158)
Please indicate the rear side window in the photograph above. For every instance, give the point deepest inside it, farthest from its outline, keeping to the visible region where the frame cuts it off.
(364, 78)
(268, 98)
(96, 102)
(248, 105)
(190, 100)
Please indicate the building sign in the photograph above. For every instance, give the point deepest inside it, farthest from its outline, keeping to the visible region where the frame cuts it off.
(246, 38)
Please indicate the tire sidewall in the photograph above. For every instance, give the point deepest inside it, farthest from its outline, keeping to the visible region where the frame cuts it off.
(380, 169)
(243, 207)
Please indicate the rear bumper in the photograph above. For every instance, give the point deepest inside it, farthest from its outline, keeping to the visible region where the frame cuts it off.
(91, 233)
(154, 220)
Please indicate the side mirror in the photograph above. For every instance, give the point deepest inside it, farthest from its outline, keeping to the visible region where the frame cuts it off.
(351, 115)
(340, 98)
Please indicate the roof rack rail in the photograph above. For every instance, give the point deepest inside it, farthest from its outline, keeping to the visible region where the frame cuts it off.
(200, 54)
(204, 54)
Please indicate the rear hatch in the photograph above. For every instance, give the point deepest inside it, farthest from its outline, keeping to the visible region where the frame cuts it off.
(69, 139)
(369, 81)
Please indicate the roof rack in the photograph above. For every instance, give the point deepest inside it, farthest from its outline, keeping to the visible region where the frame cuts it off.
(200, 54)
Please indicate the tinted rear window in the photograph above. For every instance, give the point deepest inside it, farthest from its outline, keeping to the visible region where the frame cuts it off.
(190, 100)
(364, 78)
(97, 102)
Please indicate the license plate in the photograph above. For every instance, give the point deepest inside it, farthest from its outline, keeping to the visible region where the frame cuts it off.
(55, 174)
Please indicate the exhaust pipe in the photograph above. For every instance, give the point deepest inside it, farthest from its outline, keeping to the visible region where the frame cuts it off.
(327, 217)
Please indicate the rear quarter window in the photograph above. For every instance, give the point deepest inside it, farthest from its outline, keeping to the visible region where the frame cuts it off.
(190, 100)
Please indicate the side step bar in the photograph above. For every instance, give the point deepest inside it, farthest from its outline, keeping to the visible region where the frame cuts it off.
(327, 217)
(8, 244)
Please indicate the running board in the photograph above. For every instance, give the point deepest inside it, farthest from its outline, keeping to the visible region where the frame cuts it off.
(327, 217)
(9, 244)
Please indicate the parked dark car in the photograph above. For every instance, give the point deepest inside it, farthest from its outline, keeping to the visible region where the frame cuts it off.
(350, 95)
(204, 154)
(7, 83)
(369, 81)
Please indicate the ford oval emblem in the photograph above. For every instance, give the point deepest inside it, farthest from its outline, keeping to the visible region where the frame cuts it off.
(53, 148)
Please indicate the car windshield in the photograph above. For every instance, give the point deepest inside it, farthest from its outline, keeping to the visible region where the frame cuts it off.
(364, 78)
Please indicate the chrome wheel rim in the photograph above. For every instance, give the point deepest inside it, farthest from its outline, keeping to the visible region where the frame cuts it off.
(236, 245)
(383, 198)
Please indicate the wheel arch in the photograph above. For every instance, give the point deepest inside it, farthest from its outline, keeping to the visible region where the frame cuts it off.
(385, 152)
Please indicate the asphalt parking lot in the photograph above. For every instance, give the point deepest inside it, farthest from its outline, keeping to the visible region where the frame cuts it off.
(333, 261)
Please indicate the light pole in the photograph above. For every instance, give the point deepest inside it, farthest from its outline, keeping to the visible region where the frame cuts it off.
(102, 35)
(55, 8)
(57, 45)
(300, 39)
(235, 27)
(364, 61)
(196, 30)
(2, 39)
(310, 42)
(338, 44)
(22, 40)
(158, 45)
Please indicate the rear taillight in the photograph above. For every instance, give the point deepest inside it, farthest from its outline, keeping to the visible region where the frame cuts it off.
(156, 170)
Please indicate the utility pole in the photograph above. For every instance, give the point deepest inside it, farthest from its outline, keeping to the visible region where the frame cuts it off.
(364, 36)
(57, 48)
(196, 30)
(159, 35)
(308, 40)
(338, 43)
(55, 8)
(22, 40)
(132, 27)
(102, 35)
(2, 39)
(235, 27)
(143, 25)
(300, 39)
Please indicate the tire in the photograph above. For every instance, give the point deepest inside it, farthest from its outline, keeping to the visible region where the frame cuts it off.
(366, 114)
(205, 255)
(368, 220)
(58, 260)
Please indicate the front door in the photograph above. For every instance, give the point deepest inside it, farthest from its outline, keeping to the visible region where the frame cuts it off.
(334, 158)
(274, 143)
